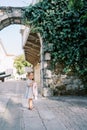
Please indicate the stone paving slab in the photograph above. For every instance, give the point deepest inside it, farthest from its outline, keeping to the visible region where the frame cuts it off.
(10, 119)
(54, 113)
(72, 115)
(3, 103)
(41, 118)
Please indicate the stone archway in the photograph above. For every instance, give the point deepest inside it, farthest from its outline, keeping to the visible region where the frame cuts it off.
(33, 53)
(10, 15)
(33, 48)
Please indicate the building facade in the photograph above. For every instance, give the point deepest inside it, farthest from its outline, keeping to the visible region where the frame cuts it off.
(6, 60)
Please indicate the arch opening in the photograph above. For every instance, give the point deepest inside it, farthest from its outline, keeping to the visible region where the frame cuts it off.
(33, 54)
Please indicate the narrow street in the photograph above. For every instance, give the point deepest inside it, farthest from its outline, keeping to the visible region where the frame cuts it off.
(54, 113)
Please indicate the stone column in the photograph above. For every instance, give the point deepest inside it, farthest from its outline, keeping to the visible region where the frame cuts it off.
(47, 73)
(41, 64)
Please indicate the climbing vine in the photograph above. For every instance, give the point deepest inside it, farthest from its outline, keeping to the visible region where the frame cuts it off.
(63, 23)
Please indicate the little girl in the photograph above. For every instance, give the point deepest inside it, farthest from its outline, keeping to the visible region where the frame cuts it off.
(29, 90)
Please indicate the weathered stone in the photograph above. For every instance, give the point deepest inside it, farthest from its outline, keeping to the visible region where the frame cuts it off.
(47, 73)
(47, 92)
(45, 64)
(71, 83)
(63, 76)
(47, 56)
(77, 81)
(10, 13)
(81, 86)
(49, 81)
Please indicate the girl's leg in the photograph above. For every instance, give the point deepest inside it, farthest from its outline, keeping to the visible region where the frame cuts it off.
(30, 103)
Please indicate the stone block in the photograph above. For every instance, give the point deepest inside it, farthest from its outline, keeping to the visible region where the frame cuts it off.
(68, 87)
(45, 64)
(47, 56)
(63, 76)
(49, 81)
(77, 81)
(81, 86)
(66, 81)
(75, 86)
(48, 73)
(47, 92)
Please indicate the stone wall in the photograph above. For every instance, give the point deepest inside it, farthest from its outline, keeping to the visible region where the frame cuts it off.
(58, 83)
(47, 75)
(64, 84)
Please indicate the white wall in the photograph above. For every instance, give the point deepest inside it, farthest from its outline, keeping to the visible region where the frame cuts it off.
(6, 62)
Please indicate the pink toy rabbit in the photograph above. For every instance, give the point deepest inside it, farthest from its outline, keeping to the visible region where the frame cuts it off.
(35, 92)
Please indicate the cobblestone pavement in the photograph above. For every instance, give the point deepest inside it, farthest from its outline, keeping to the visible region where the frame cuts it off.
(54, 113)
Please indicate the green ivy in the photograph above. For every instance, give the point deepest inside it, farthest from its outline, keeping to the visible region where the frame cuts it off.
(20, 63)
(64, 24)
